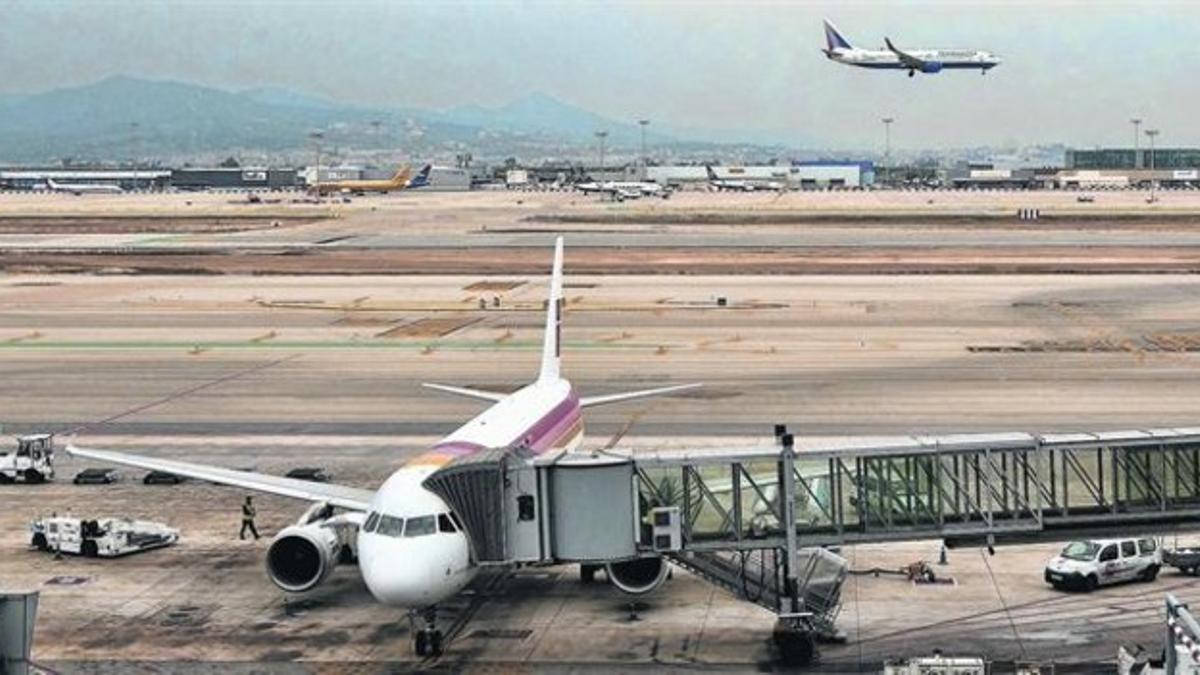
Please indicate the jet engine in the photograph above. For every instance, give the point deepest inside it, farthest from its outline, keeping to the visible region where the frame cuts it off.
(301, 556)
(931, 67)
(638, 576)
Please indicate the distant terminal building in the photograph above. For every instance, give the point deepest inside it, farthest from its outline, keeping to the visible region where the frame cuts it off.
(818, 175)
(1121, 167)
(308, 175)
(36, 179)
(986, 175)
(240, 178)
(1128, 158)
(822, 174)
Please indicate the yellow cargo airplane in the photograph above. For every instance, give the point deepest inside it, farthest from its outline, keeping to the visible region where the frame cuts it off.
(402, 180)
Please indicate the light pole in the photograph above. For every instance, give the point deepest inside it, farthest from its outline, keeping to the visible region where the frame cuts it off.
(1137, 125)
(643, 124)
(317, 136)
(1153, 179)
(133, 151)
(601, 135)
(887, 142)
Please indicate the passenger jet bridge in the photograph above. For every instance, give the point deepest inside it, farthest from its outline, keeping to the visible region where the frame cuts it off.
(763, 522)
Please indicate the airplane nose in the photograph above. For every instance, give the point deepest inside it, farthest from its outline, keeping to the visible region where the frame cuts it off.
(396, 571)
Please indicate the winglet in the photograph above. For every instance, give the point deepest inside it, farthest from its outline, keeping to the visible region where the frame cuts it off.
(552, 340)
(891, 47)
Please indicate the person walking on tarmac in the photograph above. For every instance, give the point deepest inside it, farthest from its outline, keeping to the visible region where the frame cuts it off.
(248, 514)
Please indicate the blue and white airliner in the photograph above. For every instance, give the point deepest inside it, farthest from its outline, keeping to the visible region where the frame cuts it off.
(930, 61)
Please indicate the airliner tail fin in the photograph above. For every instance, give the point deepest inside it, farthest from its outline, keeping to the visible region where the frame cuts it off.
(834, 39)
(552, 340)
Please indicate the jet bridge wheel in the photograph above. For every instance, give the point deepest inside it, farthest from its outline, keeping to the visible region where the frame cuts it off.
(796, 646)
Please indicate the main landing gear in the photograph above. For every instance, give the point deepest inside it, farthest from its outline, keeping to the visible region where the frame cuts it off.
(428, 641)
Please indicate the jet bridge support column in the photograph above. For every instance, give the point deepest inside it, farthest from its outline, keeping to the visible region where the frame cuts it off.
(794, 634)
(787, 481)
(18, 612)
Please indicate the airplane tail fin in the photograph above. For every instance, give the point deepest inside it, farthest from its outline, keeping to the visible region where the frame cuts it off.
(891, 47)
(422, 177)
(401, 177)
(552, 340)
(834, 39)
(712, 175)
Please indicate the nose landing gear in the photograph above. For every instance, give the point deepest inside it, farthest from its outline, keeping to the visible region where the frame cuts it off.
(428, 641)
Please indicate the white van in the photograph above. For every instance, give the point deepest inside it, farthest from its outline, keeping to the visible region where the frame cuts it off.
(1099, 562)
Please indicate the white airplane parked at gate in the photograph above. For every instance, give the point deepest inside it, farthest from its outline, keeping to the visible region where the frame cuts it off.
(837, 48)
(84, 188)
(412, 550)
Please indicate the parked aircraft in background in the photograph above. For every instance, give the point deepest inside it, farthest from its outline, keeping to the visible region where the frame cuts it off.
(625, 189)
(411, 548)
(421, 179)
(740, 184)
(84, 188)
(930, 61)
(401, 181)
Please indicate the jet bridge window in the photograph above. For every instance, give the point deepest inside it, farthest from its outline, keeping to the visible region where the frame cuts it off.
(420, 526)
(390, 526)
(444, 524)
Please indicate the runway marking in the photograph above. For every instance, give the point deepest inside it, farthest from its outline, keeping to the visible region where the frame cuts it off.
(463, 345)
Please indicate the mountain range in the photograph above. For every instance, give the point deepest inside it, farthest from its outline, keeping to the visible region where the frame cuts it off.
(122, 117)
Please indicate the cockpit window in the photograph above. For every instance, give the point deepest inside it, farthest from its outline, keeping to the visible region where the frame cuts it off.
(420, 526)
(390, 526)
(372, 521)
(444, 524)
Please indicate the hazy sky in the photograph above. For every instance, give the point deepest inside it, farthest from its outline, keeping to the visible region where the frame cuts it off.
(1072, 72)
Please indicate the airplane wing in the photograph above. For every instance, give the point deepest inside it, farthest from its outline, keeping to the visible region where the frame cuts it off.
(355, 499)
(465, 391)
(588, 401)
(905, 58)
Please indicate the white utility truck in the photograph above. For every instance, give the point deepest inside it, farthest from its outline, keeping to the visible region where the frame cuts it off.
(33, 461)
(103, 538)
(1097, 562)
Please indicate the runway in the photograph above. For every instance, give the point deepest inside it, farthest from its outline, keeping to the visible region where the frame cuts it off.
(823, 354)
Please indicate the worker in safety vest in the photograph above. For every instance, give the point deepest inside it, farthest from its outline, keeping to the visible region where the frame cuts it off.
(248, 513)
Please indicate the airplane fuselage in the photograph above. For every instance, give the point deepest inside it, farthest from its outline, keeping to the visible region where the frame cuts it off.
(419, 571)
(935, 59)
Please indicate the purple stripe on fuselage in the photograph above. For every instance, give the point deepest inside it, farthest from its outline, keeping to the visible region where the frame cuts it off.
(542, 435)
(539, 437)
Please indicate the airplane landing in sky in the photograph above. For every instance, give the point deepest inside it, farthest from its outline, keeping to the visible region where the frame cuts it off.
(930, 61)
